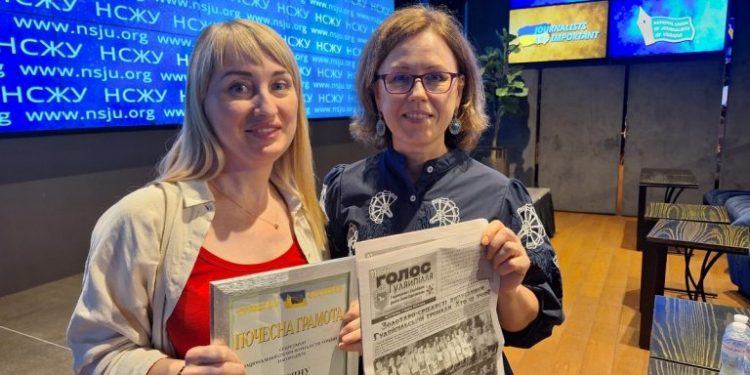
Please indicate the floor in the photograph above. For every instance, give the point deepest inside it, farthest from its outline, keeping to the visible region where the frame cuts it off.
(601, 284)
(32, 328)
(601, 273)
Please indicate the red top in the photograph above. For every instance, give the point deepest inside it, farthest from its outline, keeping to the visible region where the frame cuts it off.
(189, 324)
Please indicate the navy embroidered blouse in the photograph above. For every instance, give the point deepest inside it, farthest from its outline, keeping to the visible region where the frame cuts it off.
(375, 197)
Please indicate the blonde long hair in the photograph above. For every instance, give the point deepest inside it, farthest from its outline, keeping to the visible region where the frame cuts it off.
(197, 153)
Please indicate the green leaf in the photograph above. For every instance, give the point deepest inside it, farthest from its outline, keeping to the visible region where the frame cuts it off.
(513, 74)
(503, 85)
(523, 92)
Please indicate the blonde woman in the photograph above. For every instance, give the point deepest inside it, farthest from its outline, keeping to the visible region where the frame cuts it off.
(241, 175)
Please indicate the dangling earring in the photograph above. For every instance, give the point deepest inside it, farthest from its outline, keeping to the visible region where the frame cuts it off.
(380, 126)
(455, 126)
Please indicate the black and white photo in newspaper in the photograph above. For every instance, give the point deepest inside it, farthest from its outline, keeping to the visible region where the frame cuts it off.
(428, 303)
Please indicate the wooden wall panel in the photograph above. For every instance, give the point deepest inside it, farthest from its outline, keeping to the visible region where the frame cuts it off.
(735, 170)
(673, 117)
(579, 136)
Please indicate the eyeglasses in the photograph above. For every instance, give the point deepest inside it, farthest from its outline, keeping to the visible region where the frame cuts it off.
(433, 82)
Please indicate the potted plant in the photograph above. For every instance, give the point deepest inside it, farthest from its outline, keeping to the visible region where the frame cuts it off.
(504, 91)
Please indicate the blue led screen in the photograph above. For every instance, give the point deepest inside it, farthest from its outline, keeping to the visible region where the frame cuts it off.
(661, 27)
(514, 4)
(88, 64)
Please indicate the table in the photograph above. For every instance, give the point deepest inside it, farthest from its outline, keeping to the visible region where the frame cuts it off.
(686, 335)
(661, 367)
(691, 212)
(714, 237)
(544, 208)
(673, 180)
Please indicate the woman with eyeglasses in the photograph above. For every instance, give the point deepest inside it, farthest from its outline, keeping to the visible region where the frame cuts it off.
(422, 105)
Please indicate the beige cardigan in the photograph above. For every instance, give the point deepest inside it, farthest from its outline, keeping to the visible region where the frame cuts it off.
(118, 325)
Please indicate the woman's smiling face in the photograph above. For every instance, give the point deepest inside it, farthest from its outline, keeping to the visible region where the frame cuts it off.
(253, 108)
(418, 119)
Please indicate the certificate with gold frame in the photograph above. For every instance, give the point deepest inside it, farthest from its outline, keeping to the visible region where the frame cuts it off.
(287, 321)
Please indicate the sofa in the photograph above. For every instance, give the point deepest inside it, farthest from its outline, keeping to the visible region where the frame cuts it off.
(737, 203)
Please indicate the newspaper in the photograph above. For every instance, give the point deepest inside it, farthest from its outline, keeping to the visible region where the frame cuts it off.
(287, 321)
(428, 303)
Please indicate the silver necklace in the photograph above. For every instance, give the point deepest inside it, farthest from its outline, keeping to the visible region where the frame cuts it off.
(245, 210)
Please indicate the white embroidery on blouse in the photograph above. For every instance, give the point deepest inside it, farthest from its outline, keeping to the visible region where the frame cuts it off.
(380, 206)
(322, 200)
(532, 231)
(352, 235)
(446, 212)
